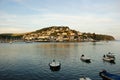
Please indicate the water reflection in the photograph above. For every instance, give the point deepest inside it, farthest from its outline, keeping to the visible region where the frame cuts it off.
(94, 43)
(58, 45)
(112, 62)
(88, 62)
(57, 50)
(30, 61)
(55, 69)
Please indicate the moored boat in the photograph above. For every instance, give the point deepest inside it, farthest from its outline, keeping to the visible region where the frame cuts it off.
(110, 55)
(55, 65)
(108, 76)
(85, 78)
(85, 59)
(108, 59)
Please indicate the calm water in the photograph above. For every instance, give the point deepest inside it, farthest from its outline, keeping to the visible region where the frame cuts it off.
(29, 61)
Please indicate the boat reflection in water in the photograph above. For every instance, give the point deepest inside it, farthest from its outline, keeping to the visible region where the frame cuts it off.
(55, 65)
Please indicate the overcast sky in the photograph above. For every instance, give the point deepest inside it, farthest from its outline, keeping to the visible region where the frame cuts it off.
(95, 16)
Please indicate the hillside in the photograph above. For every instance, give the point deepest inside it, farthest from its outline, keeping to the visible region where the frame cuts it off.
(56, 34)
(64, 34)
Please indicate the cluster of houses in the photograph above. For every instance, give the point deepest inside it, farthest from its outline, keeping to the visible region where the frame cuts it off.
(56, 34)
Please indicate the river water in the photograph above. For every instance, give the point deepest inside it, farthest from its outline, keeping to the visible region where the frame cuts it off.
(29, 61)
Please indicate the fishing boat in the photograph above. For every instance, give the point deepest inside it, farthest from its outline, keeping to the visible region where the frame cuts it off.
(108, 59)
(110, 55)
(55, 65)
(85, 59)
(108, 76)
(85, 78)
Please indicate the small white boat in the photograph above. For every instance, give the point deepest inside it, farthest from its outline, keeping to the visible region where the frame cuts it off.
(108, 59)
(85, 78)
(110, 55)
(55, 65)
(85, 59)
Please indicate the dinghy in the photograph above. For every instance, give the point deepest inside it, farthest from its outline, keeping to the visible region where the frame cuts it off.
(85, 59)
(108, 76)
(110, 55)
(108, 59)
(55, 65)
(85, 78)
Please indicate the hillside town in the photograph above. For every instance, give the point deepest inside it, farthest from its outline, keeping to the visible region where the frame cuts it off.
(56, 34)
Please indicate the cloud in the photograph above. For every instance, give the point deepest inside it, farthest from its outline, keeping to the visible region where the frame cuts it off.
(27, 4)
(19, 1)
(27, 23)
(83, 15)
(55, 19)
(70, 19)
(11, 30)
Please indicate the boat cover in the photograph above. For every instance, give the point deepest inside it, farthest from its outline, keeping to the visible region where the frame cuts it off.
(54, 64)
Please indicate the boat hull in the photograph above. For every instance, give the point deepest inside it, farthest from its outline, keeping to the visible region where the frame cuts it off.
(111, 60)
(85, 60)
(108, 76)
(55, 68)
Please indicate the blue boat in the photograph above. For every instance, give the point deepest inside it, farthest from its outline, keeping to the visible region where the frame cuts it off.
(108, 76)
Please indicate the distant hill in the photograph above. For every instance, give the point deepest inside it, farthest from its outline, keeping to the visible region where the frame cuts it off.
(64, 33)
(57, 34)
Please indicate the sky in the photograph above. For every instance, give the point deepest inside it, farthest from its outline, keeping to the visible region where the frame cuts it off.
(94, 16)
